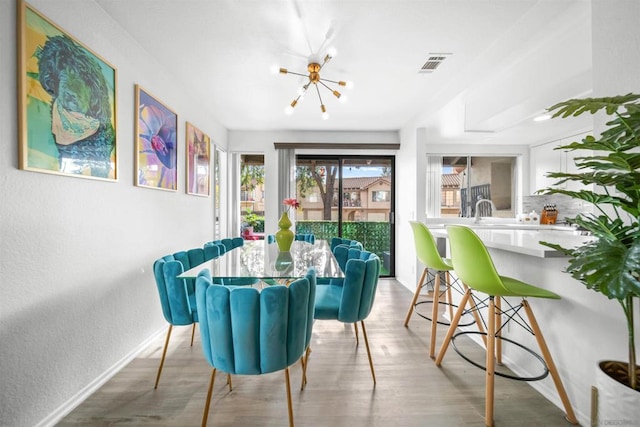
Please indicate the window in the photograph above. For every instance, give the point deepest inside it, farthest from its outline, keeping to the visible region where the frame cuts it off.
(380, 196)
(466, 179)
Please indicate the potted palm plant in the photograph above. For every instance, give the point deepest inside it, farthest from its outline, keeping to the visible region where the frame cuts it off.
(610, 263)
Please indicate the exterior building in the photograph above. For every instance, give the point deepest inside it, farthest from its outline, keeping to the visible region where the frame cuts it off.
(364, 199)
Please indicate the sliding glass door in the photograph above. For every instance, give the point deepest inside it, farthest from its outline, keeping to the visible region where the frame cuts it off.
(350, 197)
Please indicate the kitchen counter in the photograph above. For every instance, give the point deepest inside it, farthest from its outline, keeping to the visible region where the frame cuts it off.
(519, 238)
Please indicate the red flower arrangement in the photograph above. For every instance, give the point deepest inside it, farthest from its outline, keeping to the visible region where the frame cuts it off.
(291, 203)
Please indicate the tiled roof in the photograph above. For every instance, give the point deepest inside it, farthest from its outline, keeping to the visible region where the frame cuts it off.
(450, 180)
(362, 182)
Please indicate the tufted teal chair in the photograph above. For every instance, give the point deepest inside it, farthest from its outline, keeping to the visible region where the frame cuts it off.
(335, 241)
(351, 301)
(213, 249)
(306, 237)
(246, 331)
(178, 303)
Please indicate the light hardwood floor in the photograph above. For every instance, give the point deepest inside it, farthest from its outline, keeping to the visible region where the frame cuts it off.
(410, 391)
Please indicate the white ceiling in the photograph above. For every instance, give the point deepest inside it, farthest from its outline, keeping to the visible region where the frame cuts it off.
(509, 60)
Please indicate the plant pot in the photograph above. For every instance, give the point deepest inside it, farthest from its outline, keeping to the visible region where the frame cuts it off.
(284, 236)
(617, 402)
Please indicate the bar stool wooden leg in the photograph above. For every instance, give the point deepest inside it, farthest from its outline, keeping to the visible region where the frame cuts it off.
(447, 278)
(434, 315)
(193, 332)
(571, 417)
(476, 316)
(416, 294)
(452, 327)
(499, 334)
(490, 364)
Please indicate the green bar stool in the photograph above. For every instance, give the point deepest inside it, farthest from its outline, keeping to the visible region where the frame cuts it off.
(474, 266)
(427, 253)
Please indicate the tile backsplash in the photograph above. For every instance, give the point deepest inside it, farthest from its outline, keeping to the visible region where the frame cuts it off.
(567, 207)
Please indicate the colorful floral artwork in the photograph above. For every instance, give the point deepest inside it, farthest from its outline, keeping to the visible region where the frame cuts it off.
(198, 161)
(66, 103)
(156, 146)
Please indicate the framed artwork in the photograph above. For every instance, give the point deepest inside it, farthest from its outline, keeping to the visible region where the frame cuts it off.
(198, 161)
(156, 130)
(66, 102)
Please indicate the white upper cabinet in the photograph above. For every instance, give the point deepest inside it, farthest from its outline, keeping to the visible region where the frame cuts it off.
(545, 159)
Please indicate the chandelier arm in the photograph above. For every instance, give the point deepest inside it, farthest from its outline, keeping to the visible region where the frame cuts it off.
(325, 62)
(297, 74)
(323, 84)
(331, 81)
(319, 97)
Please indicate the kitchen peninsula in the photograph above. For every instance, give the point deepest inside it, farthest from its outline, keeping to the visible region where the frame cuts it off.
(571, 329)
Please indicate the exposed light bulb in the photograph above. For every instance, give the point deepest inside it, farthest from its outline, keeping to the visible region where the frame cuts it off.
(274, 69)
(325, 115)
(349, 84)
(332, 52)
(343, 99)
(288, 110)
(542, 118)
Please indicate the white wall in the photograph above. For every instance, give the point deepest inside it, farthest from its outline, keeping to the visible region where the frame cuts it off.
(77, 293)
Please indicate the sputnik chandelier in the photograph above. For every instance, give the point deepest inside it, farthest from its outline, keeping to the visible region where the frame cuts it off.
(314, 68)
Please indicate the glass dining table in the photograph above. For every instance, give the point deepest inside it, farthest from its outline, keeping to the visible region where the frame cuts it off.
(261, 260)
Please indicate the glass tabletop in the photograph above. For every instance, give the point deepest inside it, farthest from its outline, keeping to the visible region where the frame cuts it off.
(261, 260)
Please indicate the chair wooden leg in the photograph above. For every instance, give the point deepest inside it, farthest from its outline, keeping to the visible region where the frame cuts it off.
(498, 304)
(453, 326)
(366, 342)
(305, 362)
(193, 333)
(416, 294)
(164, 353)
(571, 417)
(205, 415)
(434, 315)
(447, 278)
(290, 406)
(490, 364)
(355, 326)
(229, 382)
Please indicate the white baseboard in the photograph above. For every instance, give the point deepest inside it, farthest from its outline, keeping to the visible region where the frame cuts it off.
(53, 418)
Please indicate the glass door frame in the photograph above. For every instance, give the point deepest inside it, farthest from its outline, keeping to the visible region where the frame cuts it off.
(340, 160)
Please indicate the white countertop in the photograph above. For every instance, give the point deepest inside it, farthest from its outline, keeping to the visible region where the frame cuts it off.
(524, 240)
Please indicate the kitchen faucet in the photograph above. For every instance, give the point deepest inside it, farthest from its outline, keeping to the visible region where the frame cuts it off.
(493, 208)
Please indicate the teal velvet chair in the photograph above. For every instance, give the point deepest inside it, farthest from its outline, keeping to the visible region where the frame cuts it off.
(213, 249)
(177, 296)
(306, 237)
(303, 237)
(246, 331)
(351, 300)
(177, 301)
(344, 253)
(335, 241)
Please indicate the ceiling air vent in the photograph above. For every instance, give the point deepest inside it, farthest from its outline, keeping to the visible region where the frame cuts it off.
(433, 62)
